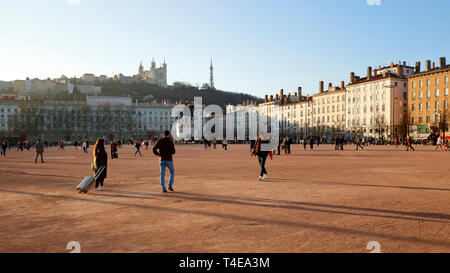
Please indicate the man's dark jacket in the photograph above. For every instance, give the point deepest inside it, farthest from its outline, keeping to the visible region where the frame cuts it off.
(165, 149)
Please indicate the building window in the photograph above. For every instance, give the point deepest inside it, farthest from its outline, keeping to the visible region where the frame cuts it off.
(446, 92)
(446, 104)
(413, 120)
(413, 95)
(420, 119)
(446, 79)
(413, 107)
(428, 82)
(428, 106)
(428, 93)
(421, 84)
(436, 93)
(436, 105)
(437, 81)
(428, 119)
(436, 118)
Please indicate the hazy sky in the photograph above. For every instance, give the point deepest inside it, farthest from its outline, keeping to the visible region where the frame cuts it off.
(257, 46)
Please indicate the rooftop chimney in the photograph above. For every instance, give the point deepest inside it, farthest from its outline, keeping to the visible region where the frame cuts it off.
(400, 71)
(404, 63)
(266, 98)
(342, 85)
(428, 65)
(330, 85)
(442, 62)
(300, 92)
(281, 93)
(369, 73)
(417, 67)
(271, 98)
(434, 65)
(392, 65)
(321, 87)
(352, 77)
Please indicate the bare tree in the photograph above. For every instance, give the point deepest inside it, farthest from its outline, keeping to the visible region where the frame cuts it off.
(379, 125)
(407, 123)
(129, 120)
(29, 120)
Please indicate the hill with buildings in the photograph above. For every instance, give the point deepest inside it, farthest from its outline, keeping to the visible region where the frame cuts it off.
(143, 91)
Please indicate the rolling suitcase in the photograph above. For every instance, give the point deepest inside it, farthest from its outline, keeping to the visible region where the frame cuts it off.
(88, 181)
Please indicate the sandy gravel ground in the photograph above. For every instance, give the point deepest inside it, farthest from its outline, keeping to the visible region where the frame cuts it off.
(313, 201)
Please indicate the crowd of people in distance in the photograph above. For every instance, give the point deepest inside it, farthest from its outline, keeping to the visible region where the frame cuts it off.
(82, 145)
(164, 148)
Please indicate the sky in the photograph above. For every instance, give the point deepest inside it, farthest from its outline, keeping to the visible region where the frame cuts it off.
(257, 46)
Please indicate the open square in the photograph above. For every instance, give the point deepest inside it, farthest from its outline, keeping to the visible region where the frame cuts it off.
(313, 201)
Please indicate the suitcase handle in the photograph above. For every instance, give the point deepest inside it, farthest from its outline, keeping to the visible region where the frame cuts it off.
(101, 170)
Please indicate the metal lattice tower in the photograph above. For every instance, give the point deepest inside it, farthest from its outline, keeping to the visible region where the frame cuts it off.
(211, 77)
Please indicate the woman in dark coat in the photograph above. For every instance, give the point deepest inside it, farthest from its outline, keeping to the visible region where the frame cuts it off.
(262, 156)
(100, 160)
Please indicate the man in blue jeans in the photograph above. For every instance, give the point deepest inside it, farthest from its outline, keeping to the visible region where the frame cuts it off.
(165, 149)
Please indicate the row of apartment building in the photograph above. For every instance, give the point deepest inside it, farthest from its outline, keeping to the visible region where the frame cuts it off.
(389, 101)
(113, 117)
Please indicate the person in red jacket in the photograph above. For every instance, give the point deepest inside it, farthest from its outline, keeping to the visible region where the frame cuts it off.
(262, 156)
(165, 149)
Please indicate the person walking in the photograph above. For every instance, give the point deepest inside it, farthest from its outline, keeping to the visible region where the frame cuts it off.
(4, 147)
(146, 143)
(138, 146)
(100, 164)
(280, 141)
(165, 149)
(305, 142)
(28, 145)
(85, 146)
(439, 144)
(311, 142)
(358, 143)
(61, 145)
(39, 147)
(408, 144)
(225, 144)
(20, 146)
(262, 157)
(288, 143)
(336, 143)
(113, 150)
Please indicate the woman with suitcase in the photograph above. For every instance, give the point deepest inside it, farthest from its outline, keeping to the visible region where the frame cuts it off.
(100, 160)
